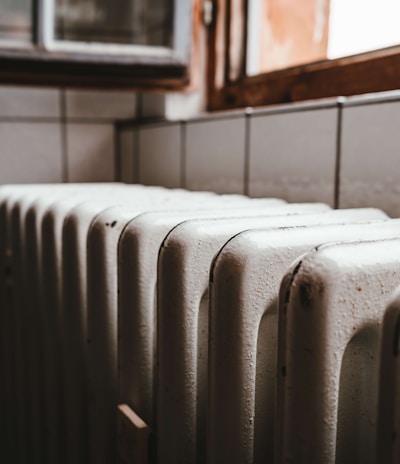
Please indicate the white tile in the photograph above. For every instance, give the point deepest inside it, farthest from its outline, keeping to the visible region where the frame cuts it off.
(100, 104)
(183, 105)
(215, 155)
(153, 105)
(369, 157)
(30, 153)
(90, 152)
(292, 155)
(127, 156)
(160, 155)
(29, 102)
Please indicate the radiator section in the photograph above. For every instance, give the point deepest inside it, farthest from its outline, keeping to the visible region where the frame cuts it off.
(160, 326)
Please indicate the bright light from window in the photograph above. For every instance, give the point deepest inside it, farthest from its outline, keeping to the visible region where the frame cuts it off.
(357, 26)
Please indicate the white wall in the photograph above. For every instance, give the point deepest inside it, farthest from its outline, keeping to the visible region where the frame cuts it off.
(57, 135)
(340, 151)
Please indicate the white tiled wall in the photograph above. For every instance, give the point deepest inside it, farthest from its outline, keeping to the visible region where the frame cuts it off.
(293, 154)
(90, 152)
(288, 152)
(99, 105)
(57, 135)
(370, 150)
(215, 155)
(339, 151)
(25, 102)
(159, 152)
(127, 169)
(30, 152)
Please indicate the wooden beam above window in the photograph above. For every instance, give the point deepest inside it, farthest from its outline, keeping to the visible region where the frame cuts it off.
(83, 70)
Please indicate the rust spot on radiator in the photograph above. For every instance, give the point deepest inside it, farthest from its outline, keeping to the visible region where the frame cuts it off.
(308, 291)
(306, 294)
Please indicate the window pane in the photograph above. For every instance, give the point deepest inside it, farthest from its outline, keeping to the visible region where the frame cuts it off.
(362, 25)
(15, 20)
(284, 33)
(139, 22)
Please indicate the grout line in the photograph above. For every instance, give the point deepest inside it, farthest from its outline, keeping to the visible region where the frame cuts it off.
(91, 120)
(136, 157)
(139, 106)
(135, 142)
(246, 171)
(55, 120)
(117, 153)
(30, 120)
(64, 135)
(336, 204)
(183, 127)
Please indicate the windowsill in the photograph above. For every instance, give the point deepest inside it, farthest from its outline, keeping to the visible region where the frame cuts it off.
(365, 73)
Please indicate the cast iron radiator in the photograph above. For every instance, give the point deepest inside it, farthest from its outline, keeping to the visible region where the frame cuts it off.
(147, 325)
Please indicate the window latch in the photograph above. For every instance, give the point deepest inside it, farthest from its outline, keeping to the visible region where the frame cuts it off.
(208, 12)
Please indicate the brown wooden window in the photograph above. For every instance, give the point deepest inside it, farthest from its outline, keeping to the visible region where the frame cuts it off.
(248, 64)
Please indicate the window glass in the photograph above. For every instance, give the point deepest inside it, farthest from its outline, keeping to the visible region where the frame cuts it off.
(15, 20)
(284, 33)
(358, 26)
(138, 22)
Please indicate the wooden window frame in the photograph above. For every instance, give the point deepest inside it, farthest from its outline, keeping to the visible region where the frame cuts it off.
(51, 63)
(364, 73)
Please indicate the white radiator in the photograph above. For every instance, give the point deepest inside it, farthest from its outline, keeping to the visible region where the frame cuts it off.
(146, 325)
